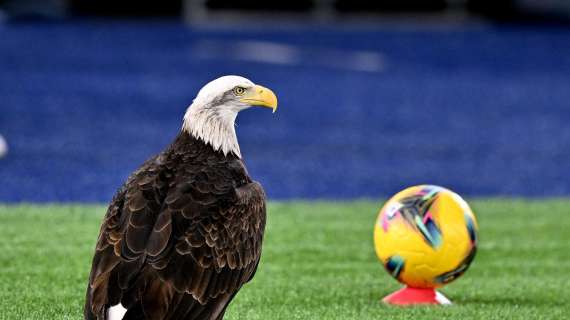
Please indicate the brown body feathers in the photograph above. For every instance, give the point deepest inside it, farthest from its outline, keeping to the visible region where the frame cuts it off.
(179, 238)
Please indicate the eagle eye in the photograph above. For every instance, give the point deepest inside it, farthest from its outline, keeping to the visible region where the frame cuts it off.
(239, 91)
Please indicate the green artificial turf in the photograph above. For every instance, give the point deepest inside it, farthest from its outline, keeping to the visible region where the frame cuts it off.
(318, 263)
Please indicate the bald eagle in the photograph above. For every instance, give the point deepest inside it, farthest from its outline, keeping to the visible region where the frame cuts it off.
(184, 233)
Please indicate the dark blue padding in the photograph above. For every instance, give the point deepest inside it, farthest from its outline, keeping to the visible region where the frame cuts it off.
(364, 112)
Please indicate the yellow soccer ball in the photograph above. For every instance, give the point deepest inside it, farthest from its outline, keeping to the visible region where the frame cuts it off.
(426, 236)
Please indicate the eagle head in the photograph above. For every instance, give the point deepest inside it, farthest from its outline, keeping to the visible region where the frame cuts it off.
(211, 116)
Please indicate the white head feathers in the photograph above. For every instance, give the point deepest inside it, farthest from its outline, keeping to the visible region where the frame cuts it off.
(211, 116)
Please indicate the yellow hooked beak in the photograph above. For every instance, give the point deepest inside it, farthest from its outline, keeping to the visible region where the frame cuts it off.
(261, 96)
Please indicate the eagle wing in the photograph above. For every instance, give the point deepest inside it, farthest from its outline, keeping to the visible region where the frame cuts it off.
(178, 246)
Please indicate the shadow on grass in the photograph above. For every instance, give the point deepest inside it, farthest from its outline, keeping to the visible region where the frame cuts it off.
(492, 300)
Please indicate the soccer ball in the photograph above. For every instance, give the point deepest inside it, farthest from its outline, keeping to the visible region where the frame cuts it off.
(426, 236)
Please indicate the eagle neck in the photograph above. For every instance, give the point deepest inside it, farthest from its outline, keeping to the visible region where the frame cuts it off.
(215, 127)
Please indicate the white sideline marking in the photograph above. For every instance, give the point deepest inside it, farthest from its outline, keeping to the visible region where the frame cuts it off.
(116, 312)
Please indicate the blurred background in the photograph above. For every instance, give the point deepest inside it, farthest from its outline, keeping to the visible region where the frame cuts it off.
(374, 96)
